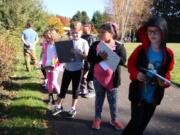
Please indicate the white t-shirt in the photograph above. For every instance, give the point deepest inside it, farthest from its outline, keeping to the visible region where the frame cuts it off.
(81, 45)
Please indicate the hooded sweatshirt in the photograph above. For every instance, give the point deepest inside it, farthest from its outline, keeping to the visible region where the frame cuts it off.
(139, 59)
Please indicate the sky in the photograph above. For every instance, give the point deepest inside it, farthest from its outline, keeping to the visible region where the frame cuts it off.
(69, 7)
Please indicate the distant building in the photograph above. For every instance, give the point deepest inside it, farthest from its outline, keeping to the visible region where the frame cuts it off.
(66, 30)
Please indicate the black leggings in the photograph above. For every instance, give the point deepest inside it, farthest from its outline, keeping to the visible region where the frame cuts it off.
(67, 77)
(43, 71)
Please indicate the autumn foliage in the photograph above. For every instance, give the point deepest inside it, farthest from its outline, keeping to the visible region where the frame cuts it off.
(55, 22)
(128, 14)
(65, 21)
(7, 57)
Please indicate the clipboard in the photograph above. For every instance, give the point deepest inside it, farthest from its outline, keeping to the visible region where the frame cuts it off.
(64, 53)
(113, 59)
(160, 77)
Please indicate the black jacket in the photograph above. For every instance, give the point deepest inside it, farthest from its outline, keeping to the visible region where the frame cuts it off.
(89, 38)
(93, 59)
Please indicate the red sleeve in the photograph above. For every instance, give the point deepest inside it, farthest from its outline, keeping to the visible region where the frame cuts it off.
(171, 66)
(132, 63)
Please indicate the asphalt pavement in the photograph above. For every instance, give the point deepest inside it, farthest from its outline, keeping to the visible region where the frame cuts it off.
(166, 120)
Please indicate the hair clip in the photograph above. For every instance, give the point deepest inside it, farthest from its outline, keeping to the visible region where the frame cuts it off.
(115, 26)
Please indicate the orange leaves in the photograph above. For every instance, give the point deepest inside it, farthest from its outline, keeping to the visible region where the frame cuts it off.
(55, 22)
(65, 21)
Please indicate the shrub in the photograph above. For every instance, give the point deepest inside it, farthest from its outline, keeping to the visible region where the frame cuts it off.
(8, 50)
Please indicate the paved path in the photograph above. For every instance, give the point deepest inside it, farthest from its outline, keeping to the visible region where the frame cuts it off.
(166, 120)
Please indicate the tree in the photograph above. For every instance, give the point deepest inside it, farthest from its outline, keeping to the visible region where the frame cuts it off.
(98, 19)
(84, 17)
(166, 8)
(77, 16)
(65, 21)
(169, 9)
(128, 14)
(55, 22)
(80, 16)
(15, 13)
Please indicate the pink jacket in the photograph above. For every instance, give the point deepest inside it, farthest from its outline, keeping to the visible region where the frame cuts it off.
(50, 57)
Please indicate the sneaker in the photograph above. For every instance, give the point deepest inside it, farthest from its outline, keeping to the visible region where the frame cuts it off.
(57, 110)
(96, 124)
(72, 113)
(117, 125)
(82, 92)
(89, 95)
(45, 88)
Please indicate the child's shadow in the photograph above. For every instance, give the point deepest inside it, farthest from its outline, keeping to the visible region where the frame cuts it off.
(61, 124)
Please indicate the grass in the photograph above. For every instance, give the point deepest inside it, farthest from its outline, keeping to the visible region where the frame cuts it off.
(23, 111)
(176, 49)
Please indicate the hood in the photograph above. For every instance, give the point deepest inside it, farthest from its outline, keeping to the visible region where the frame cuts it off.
(155, 21)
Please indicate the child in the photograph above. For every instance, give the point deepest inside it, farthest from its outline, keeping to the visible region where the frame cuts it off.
(43, 43)
(86, 85)
(30, 39)
(108, 34)
(73, 70)
(52, 65)
(146, 91)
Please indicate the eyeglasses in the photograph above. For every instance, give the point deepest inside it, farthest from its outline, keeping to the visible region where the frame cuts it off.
(150, 32)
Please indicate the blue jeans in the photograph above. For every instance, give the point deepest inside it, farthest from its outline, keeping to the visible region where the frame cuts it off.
(100, 96)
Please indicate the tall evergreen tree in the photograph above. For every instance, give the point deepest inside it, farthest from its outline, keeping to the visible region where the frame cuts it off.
(84, 17)
(98, 19)
(80, 16)
(77, 16)
(170, 10)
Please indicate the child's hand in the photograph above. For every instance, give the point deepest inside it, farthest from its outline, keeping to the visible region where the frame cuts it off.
(103, 55)
(141, 77)
(162, 83)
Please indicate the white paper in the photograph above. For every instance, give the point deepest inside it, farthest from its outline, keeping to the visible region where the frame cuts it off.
(104, 65)
(113, 59)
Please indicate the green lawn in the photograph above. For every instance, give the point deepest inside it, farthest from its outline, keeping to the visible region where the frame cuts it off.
(176, 49)
(23, 113)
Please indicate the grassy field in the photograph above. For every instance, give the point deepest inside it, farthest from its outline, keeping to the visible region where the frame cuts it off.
(23, 111)
(176, 49)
